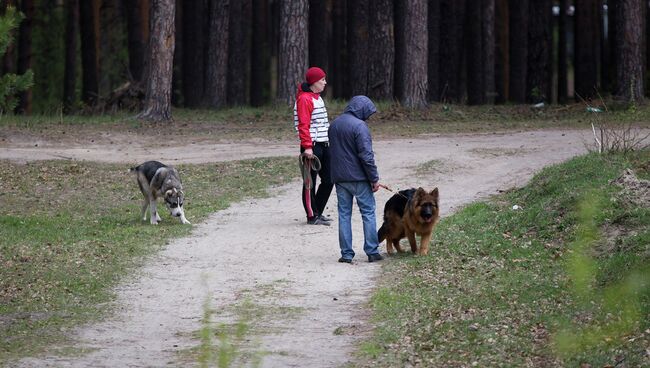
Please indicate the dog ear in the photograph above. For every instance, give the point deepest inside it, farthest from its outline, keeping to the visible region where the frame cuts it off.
(168, 193)
(175, 191)
(434, 193)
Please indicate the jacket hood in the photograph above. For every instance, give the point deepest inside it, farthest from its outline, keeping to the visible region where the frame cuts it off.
(361, 107)
(303, 88)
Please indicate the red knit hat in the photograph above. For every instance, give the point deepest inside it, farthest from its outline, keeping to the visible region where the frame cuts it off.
(314, 74)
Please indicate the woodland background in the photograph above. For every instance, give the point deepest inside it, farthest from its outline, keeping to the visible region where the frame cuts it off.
(91, 55)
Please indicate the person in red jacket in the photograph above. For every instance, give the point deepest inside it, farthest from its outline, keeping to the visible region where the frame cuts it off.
(311, 122)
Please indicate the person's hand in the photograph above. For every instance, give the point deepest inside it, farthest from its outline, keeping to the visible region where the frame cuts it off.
(309, 153)
(375, 187)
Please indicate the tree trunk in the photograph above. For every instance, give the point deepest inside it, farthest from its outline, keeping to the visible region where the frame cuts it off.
(502, 72)
(319, 20)
(338, 55)
(70, 72)
(217, 50)
(261, 54)
(294, 48)
(25, 57)
(137, 22)
(540, 70)
(415, 54)
(587, 48)
(358, 46)
(381, 50)
(239, 55)
(177, 74)
(475, 72)
(452, 42)
(157, 105)
(489, 50)
(434, 19)
(518, 14)
(630, 55)
(562, 67)
(89, 29)
(194, 21)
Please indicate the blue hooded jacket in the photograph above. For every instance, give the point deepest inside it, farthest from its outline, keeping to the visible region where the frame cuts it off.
(351, 156)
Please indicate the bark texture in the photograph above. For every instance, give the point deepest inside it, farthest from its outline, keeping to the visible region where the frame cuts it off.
(358, 20)
(89, 29)
(630, 55)
(294, 48)
(381, 51)
(415, 54)
(217, 50)
(587, 48)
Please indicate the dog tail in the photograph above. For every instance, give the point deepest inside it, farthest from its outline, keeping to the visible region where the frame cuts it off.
(381, 233)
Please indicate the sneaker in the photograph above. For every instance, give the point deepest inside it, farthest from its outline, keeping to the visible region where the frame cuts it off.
(318, 221)
(326, 218)
(375, 257)
(345, 260)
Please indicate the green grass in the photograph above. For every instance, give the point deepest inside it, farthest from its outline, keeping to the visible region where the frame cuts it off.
(67, 239)
(501, 287)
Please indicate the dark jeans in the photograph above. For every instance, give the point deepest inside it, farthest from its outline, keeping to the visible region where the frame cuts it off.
(315, 200)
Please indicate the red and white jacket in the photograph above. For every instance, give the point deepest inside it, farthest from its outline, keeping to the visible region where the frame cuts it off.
(310, 117)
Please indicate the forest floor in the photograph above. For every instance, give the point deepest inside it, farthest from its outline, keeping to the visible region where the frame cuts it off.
(304, 308)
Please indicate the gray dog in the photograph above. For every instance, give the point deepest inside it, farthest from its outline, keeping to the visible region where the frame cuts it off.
(158, 180)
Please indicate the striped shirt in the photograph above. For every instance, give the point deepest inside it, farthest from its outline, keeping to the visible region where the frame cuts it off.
(310, 118)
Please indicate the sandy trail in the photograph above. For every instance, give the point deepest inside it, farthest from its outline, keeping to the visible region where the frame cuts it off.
(261, 251)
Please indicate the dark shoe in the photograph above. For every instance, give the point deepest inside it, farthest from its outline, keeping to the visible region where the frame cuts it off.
(318, 221)
(345, 260)
(375, 257)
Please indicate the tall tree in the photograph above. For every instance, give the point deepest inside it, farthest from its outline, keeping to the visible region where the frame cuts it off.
(475, 62)
(434, 19)
(414, 57)
(518, 15)
(217, 50)
(71, 43)
(381, 53)
(502, 62)
(25, 57)
(157, 104)
(261, 53)
(338, 55)
(358, 19)
(488, 28)
(630, 55)
(89, 29)
(319, 23)
(587, 47)
(452, 42)
(540, 39)
(294, 48)
(137, 22)
(239, 55)
(610, 58)
(194, 22)
(562, 61)
(9, 58)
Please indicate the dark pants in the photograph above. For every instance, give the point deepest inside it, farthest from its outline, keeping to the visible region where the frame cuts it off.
(315, 200)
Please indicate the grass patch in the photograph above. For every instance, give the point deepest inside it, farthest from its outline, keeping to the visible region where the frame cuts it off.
(72, 229)
(502, 287)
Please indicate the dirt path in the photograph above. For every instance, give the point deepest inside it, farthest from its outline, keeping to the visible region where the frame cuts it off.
(309, 310)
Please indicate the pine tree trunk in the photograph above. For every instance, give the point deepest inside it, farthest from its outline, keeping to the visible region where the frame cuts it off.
(70, 72)
(452, 42)
(587, 48)
(194, 22)
(89, 29)
(502, 63)
(261, 54)
(475, 74)
(434, 19)
(217, 50)
(489, 50)
(137, 22)
(239, 55)
(630, 55)
(177, 74)
(25, 57)
(157, 105)
(518, 14)
(319, 21)
(415, 54)
(610, 68)
(358, 46)
(381, 50)
(539, 71)
(294, 48)
(562, 62)
(338, 56)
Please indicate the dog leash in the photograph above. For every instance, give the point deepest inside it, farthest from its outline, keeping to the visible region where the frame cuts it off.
(306, 165)
(390, 190)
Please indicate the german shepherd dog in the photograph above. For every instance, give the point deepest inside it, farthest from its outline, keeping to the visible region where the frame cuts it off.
(409, 212)
(157, 180)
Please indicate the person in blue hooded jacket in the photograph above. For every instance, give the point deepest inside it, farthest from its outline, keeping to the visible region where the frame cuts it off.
(354, 173)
